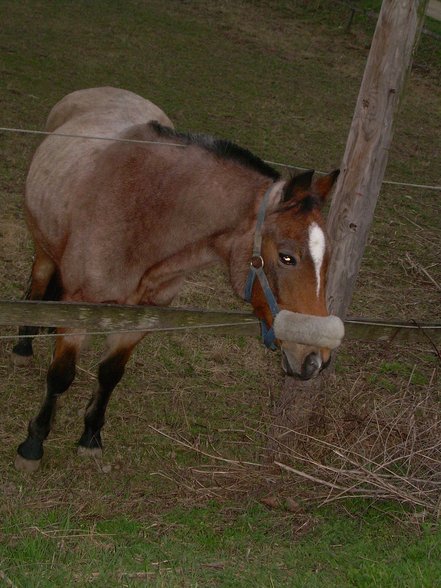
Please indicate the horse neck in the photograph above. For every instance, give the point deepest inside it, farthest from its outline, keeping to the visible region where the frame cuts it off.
(215, 201)
(203, 211)
(210, 207)
(235, 246)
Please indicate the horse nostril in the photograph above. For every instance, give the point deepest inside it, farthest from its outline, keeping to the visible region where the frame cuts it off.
(311, 366)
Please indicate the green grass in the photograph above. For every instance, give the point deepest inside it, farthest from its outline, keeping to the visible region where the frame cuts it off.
(224, 546)
(280, 78)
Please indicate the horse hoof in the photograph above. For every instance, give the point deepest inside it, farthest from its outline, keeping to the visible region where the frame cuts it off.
(94, 452)
(21, 360)
(29, 466)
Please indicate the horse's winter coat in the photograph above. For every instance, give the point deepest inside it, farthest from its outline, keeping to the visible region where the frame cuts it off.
(125, 222)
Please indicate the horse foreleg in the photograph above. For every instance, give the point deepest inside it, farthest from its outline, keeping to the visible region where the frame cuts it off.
(42, 287)
(60, 376)
(110, 372)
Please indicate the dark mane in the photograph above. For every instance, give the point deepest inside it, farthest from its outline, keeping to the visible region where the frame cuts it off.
(219, 147)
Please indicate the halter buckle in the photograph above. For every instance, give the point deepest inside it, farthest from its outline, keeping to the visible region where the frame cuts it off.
(257, 262)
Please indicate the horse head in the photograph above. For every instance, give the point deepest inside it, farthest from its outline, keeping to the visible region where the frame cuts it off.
(290, 258)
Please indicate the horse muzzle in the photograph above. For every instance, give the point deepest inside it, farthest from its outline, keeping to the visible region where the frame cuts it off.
(306, 342)
(307, 369)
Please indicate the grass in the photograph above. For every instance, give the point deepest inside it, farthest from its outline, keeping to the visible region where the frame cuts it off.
(225, 546)
(281, 79)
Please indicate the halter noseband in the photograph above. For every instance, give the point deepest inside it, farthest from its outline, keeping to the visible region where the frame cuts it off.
(256, 270)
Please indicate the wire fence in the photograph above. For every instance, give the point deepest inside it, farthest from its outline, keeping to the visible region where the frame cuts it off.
(180, 145)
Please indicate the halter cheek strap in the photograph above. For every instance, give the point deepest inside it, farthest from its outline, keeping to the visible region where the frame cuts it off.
(256, 271)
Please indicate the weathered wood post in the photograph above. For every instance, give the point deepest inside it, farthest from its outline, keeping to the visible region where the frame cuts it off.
(362, 172)
(367, 147)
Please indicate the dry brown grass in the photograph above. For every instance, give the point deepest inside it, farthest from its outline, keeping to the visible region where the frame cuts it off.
(391, 450)
(370, 438)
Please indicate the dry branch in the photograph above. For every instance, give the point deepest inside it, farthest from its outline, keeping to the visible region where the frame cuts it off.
(422, 270)
(393, 455)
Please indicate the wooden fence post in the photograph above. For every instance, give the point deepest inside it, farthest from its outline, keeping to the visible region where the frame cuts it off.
(358, 186)
(367, 147)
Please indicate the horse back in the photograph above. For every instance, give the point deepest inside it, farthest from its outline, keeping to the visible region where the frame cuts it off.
(94, 104)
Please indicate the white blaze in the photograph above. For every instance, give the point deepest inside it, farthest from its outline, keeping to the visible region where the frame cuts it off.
(317, 246)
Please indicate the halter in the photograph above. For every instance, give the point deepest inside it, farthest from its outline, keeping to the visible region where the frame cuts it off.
(256, 270)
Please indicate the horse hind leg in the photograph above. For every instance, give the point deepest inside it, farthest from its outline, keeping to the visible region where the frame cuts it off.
(110, 371)
(44, 285)
(60, 376)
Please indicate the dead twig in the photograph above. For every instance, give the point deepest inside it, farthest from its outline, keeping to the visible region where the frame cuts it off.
(422, 270)
(206, 454)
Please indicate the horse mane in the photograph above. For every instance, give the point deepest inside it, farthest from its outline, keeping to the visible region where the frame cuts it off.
(218, 147)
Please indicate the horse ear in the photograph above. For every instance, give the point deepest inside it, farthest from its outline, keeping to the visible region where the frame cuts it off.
(322, 186)
(298, 186)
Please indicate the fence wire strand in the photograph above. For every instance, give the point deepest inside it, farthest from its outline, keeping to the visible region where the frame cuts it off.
(180, 145)
(126, 330)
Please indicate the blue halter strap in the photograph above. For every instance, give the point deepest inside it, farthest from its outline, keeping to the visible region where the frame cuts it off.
(256, 271)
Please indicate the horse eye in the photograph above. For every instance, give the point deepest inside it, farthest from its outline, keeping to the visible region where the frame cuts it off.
(287, 259)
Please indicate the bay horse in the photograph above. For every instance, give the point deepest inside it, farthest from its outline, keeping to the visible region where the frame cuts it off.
(125, 221)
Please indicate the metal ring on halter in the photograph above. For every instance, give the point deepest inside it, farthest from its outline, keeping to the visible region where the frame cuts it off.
(257, 262)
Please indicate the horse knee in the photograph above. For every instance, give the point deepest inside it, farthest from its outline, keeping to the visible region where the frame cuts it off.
(111, 370)
(61, 372)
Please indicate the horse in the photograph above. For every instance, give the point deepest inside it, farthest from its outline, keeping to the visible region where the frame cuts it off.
(121, 207)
